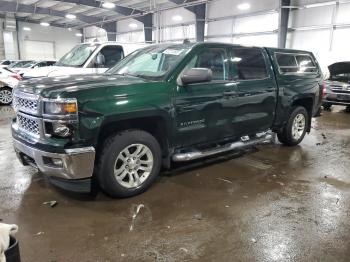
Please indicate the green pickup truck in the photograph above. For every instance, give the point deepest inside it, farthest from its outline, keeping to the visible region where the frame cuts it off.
(162, 104)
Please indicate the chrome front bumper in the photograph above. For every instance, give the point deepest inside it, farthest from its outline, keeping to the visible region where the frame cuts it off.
(75, 163)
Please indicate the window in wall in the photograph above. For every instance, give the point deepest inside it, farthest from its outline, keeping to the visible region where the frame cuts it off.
(213, 59)
(249, 63)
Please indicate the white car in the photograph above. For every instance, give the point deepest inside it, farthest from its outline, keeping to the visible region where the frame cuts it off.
(6, 63)
(8, 81)
(86, 58)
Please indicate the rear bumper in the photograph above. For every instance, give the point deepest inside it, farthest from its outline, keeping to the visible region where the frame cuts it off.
(74, 164)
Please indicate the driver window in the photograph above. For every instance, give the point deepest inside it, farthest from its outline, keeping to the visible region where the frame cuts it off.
(112, 55)
(213, 59)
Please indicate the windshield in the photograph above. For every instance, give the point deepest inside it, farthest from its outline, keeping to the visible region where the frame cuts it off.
(20, 64)
(77, 56)
(29, 64)
(344, 77)
(152, 62)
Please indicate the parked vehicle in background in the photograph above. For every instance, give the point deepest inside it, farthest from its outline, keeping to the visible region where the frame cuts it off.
(162, 104)
(87, 58)
(34, 64)
(8, 81)
(337, 86)
(6, 63)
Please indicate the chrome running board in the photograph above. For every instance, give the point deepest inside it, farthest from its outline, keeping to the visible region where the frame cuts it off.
(259, 138)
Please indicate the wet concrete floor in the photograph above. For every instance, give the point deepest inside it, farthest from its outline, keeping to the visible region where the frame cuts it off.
(273, 204)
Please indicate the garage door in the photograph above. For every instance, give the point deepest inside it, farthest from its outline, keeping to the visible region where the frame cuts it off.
(39, 50)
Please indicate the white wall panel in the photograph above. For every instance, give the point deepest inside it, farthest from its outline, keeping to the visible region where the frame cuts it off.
(94, 33)
(124, 25)
(343, 14)
(220, 27)
(178, 33)
(259, 23)
(38, 49)
(311, 16)
(269, 40)
(63, 39)
(223, 8)
(131, 37)
(220, 39)
(166, 17)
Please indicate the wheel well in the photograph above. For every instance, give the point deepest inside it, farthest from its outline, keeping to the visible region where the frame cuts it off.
(308, 104)
(154, 125)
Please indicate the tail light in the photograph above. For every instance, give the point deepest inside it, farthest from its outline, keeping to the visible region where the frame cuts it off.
(18, 77)
(323, 89)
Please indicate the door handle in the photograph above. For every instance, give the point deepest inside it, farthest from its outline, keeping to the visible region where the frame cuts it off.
(230, 93)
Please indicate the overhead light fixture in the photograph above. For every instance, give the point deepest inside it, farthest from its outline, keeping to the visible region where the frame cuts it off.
(79, 34)
(320, 4)
(177, 18)
(108, 5)
(44, 24)
(71, 16)
(133, 25)
(69, 29)
(243, 6)
(27, 29)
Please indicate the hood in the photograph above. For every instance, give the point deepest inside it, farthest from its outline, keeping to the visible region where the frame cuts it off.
(339, 68)
(46, 86)
(44, 71)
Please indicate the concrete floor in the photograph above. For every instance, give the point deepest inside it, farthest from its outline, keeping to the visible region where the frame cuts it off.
(273, 204)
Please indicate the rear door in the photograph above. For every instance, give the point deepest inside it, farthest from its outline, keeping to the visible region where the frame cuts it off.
(257, 90)
(204, 110)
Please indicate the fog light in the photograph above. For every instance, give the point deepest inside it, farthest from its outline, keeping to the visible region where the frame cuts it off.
(61, 130)
(57, 162)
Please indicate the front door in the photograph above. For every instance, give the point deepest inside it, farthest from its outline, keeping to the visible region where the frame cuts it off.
(204, 110)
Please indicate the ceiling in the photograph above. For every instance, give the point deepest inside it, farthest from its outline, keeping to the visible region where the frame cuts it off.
(86, 11)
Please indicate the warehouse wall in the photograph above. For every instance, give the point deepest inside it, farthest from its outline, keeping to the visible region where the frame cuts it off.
(60, 39)
(313, 32)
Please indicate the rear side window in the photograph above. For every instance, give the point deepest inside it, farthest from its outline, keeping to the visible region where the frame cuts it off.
(295, 63)
(249, 63)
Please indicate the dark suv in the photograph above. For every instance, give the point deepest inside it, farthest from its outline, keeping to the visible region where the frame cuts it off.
(163, 104)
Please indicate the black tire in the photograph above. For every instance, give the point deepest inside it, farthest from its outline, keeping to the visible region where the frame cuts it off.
(347, 109)
(286, 135)
(327, 107)
(113, 146)
(4, 91)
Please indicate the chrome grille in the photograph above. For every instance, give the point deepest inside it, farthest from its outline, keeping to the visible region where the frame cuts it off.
(25, 102)
(30, 125)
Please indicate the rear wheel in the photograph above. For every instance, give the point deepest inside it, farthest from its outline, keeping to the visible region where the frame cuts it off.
(129, 163)
(5, 96)
(294, 131)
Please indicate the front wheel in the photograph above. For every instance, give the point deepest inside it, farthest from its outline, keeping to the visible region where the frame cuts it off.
(294, 131)
(129, 163)
(5, 96)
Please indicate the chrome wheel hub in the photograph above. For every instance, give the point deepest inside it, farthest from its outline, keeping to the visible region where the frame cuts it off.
(298, 127)
(5, 96)
(133, 166)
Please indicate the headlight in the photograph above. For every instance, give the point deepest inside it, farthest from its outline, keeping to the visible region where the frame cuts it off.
(61, 108)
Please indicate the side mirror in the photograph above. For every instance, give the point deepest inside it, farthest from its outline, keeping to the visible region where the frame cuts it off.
(100, 60)
(196, 75)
